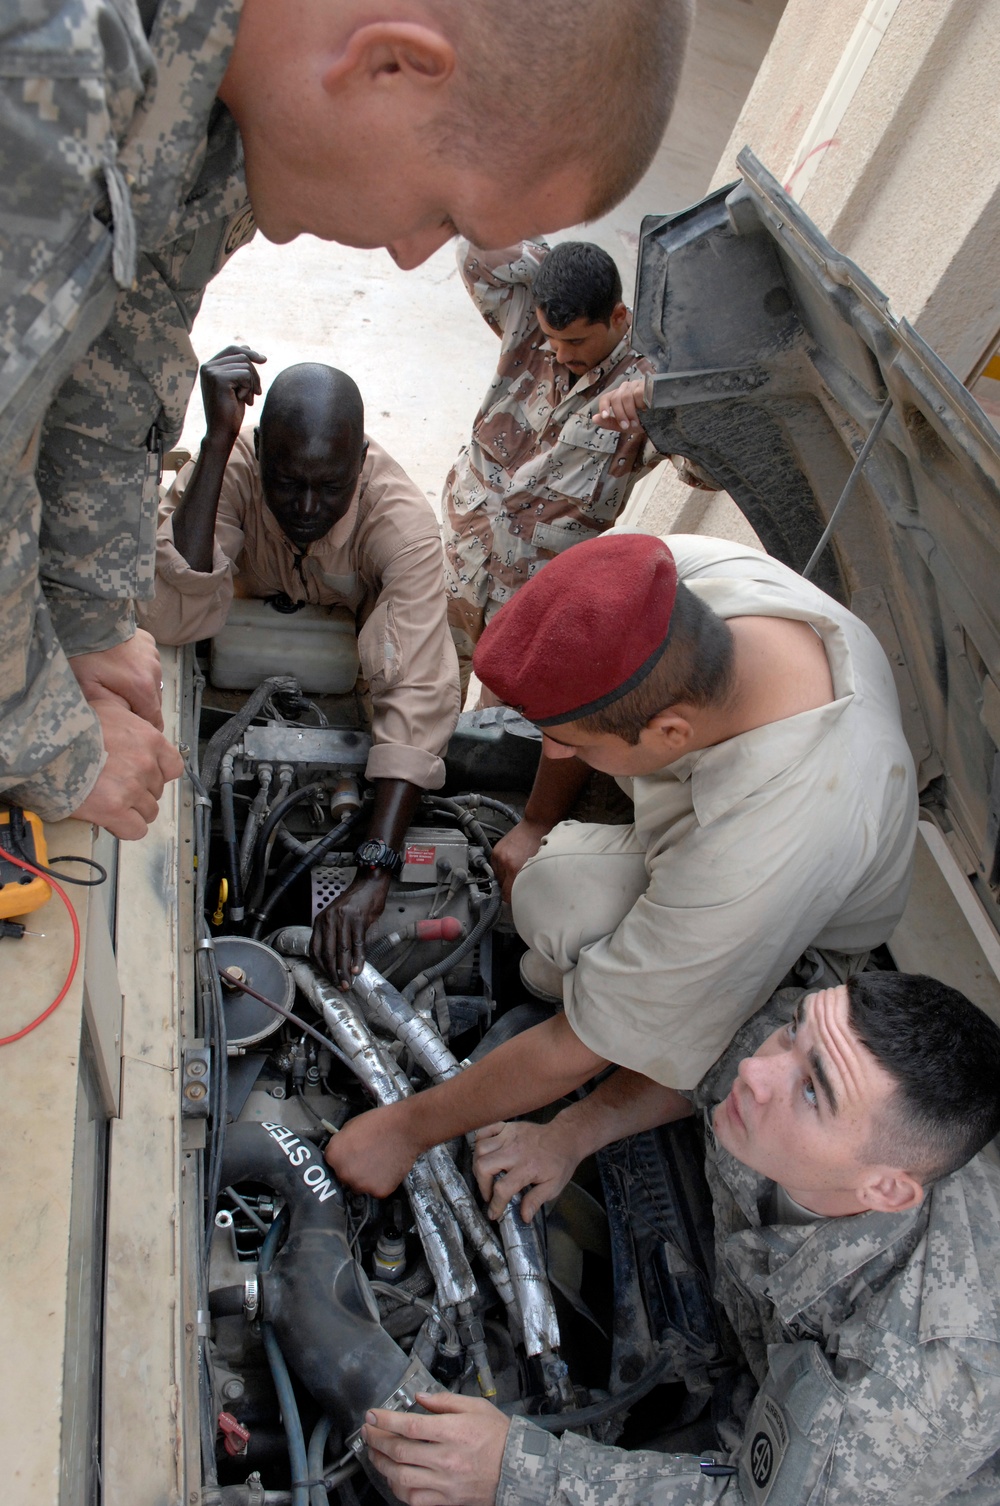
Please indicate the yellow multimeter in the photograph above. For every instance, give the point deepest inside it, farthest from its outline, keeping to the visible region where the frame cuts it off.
(21, 834)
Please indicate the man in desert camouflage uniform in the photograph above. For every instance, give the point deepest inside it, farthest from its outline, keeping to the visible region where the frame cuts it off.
(124, 130)
(537, 474)
(867, 1310)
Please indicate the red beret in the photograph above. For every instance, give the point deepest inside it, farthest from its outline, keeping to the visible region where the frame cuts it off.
(584, 631)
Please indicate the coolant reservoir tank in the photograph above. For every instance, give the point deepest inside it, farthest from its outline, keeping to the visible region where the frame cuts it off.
(318, 645)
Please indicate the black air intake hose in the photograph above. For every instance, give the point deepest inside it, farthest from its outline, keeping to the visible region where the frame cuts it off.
(315, 1295)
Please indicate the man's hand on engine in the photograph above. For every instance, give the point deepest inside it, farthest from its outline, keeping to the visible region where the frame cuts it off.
(373, 1152)
(140, 762)
(519, 1155)
(449, 1458)
(513, 851)
(338, 939)
(129, 672)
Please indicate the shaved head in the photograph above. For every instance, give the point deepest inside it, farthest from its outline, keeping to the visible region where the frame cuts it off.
(589, 81)
(311, 447)
(311, 397)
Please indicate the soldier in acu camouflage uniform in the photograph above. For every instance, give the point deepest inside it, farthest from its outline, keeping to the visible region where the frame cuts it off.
(867, 1309)
(537, 474)
(123, 133)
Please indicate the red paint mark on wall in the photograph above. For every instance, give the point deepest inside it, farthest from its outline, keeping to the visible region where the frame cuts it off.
(820, 147)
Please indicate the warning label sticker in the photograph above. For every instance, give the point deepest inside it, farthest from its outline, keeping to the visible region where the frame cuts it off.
(416, 854)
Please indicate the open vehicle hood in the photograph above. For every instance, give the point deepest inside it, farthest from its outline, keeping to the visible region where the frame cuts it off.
(774, 355)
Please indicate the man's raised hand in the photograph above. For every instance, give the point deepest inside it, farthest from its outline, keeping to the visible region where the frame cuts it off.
(229, 383)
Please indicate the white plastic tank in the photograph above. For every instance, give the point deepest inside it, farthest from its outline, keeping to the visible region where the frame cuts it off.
(318, 645)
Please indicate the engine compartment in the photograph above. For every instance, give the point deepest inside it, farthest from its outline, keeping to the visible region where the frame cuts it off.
(315, 1303)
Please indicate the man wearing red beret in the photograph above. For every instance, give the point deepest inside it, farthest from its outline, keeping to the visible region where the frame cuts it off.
(755, 724)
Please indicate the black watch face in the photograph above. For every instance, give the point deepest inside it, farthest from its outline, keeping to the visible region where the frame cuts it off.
(375, 854)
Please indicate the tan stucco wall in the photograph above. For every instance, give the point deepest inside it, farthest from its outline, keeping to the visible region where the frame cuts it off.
(911, 188)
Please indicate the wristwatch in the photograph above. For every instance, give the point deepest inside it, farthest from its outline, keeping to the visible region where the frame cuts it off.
(376, 854)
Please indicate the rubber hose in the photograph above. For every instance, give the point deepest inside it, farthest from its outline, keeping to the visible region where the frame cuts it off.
(274, 815)
(289, 1416)
(315, 1296)
(490, 912)
(301, 866)
(232, 850)
(314, 1457)
(282, 1380)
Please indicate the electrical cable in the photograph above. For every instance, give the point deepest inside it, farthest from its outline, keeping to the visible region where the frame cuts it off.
(293, 1019)
(489, 913)
(82, 883)
(17, 829)
(18, 1035)
(410, 1299)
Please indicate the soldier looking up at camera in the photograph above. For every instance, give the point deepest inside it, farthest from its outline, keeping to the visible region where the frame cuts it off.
(856, 1258)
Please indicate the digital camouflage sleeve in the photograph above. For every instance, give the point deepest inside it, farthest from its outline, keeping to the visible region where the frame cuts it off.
(121, 194)
(874, 1339)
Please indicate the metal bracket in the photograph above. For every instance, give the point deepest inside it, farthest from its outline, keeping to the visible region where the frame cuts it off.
(195, 1096)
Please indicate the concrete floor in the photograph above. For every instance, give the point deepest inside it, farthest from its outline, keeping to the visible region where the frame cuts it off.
(412, 340)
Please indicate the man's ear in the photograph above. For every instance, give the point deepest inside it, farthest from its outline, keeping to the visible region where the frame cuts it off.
(384, 50)
(619, 317)
(673, 728)
(888, 1190)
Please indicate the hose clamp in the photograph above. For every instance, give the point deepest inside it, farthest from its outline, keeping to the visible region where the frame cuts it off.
(416, 1377)
(251, 1298)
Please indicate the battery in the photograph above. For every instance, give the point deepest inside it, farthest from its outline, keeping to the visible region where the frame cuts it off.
(21, 833)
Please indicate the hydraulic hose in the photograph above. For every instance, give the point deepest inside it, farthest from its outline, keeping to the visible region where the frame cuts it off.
(255, 816)
(314, 1461)
(232, 730)
(302, 865)
(520, 1278)
(277, 813)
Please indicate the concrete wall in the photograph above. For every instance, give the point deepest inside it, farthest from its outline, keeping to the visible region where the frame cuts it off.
(910, 185)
